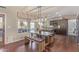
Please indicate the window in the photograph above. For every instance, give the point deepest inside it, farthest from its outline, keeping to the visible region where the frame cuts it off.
(1, 23)
(40, 23)
(32, 26)
(22, 26)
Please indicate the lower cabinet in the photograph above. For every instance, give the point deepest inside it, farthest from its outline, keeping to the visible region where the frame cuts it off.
(41, 46)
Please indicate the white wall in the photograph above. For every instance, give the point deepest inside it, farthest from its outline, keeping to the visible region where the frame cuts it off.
(11, 31)
(11, 25)
(12, 34)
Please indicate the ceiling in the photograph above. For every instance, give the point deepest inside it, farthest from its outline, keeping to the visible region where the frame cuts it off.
(46, 11)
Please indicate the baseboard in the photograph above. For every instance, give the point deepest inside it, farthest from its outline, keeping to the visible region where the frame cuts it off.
(15, 44)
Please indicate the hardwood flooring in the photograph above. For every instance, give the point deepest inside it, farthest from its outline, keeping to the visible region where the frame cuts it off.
(62, 44)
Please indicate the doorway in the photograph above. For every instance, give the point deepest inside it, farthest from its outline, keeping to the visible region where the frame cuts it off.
(2, 29)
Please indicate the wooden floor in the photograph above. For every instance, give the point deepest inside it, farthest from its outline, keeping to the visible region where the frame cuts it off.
(64, 44)
(61, 44)
(1, 44)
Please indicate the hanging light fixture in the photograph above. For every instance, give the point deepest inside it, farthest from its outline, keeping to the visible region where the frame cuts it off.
(39, 16)
(39, 13)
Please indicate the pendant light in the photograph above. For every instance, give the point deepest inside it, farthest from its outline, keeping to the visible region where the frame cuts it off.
(39, 15)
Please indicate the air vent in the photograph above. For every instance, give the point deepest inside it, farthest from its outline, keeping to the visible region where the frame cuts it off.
(2, 7)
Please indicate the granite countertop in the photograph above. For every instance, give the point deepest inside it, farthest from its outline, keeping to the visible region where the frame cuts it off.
(39, 39)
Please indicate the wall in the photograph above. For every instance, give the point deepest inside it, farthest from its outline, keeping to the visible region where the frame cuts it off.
(11, 25)
(12, 34)
(11, 28)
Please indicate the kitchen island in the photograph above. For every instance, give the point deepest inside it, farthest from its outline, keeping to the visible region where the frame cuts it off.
(41, 39)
